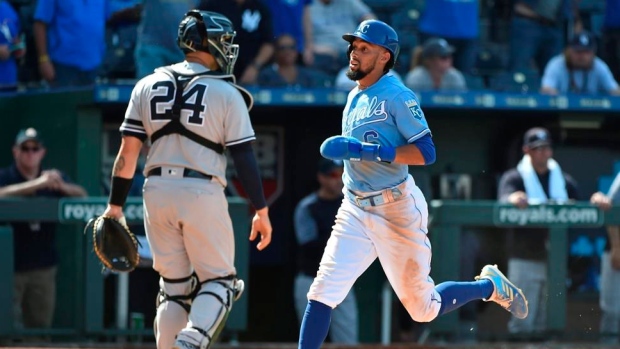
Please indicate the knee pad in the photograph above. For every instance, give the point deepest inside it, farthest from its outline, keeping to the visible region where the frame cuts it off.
(210, 308)
(180, 291)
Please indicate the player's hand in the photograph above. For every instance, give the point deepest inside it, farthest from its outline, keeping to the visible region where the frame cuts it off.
(48, 73)
(342, 148)
(601, 200)
(519, 199)
(115, 212)
(261, 225)
(349, 148)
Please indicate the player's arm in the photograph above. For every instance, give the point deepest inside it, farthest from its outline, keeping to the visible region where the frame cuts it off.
(249, 176)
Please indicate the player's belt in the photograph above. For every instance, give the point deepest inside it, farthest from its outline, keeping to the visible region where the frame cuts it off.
(386, 196)
(188, 173)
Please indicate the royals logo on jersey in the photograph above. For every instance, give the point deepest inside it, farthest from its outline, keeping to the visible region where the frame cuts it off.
(415, 109)
(365, 111)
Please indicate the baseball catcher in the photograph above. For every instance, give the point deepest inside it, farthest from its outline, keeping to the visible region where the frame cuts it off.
(115, 245)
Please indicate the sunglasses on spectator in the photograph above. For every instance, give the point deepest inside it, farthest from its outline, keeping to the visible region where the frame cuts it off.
(26, 149)
(287, 47)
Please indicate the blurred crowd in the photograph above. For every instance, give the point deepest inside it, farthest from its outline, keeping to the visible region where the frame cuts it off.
(547, 46)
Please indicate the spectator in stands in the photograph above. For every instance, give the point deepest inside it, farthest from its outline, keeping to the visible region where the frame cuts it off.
(578, 70)
(293, 17)
(433, 70)
(458, 23)
(35, 253)
(609, 301)
(252, 22)
(286, 72)
(314, 217)
(330, 19)
(537, 31)
(611, 37)
(12, 46)
(156, 43)
(343, 82)
(70, 40)
(537, 179)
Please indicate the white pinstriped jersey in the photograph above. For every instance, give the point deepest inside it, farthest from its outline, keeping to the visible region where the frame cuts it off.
(212, 108)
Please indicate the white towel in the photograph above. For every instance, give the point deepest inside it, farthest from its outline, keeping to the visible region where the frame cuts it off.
(533, 188)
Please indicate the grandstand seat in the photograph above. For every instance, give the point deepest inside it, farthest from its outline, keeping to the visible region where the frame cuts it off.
(489, 61)
(385, 8)
(405, 23)
(474, 82)
(516, 81)
(591, 5)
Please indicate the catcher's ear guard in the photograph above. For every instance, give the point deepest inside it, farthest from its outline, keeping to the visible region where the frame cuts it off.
(115, 245)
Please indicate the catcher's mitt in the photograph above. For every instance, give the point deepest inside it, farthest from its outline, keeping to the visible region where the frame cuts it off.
(115, 245)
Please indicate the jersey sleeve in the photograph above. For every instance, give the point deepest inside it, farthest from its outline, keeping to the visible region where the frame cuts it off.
(409, 117)
(45, 11)
(132, 125)
(237, 125)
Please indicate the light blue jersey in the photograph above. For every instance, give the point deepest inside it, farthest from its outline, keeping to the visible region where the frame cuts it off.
(386, 113)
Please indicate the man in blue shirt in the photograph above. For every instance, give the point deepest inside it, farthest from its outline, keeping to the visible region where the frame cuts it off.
(578, 70)
(292, 17)
(34, 250)
(70, 40)
(537, 31)
(457, 22)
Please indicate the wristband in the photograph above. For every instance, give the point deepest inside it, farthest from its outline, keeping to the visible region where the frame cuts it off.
(387, 153)
(44, 58)
(119, 190)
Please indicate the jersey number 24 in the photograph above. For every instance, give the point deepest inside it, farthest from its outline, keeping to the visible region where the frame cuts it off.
(192, 101)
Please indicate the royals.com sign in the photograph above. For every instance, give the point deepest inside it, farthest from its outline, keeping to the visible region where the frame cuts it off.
(76, 210)
(542, 215)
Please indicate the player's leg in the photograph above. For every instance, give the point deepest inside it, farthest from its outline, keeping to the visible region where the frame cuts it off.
(348, 253)
(210, 244)
(531, 276)
(344, 325)
(300, 292)
(401, 234)
(169, 259)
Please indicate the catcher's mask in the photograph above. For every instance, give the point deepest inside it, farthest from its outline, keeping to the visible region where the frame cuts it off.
(209, 32)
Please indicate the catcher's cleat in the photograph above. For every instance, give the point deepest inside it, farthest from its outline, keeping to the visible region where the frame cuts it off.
(505, 293)
(238, 288)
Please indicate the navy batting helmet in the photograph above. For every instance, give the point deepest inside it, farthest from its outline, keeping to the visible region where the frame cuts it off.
(209, 32)
(378, 33)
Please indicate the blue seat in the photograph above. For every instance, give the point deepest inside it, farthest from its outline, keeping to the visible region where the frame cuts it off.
(385, 8)
(591, 5)
(405, 23)
(489, 61)
(474, 82)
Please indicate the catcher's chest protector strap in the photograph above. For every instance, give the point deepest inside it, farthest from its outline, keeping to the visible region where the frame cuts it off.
(175, 125)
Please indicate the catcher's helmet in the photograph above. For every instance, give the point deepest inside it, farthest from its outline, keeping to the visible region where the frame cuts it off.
(209, 32)
(378, 33)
